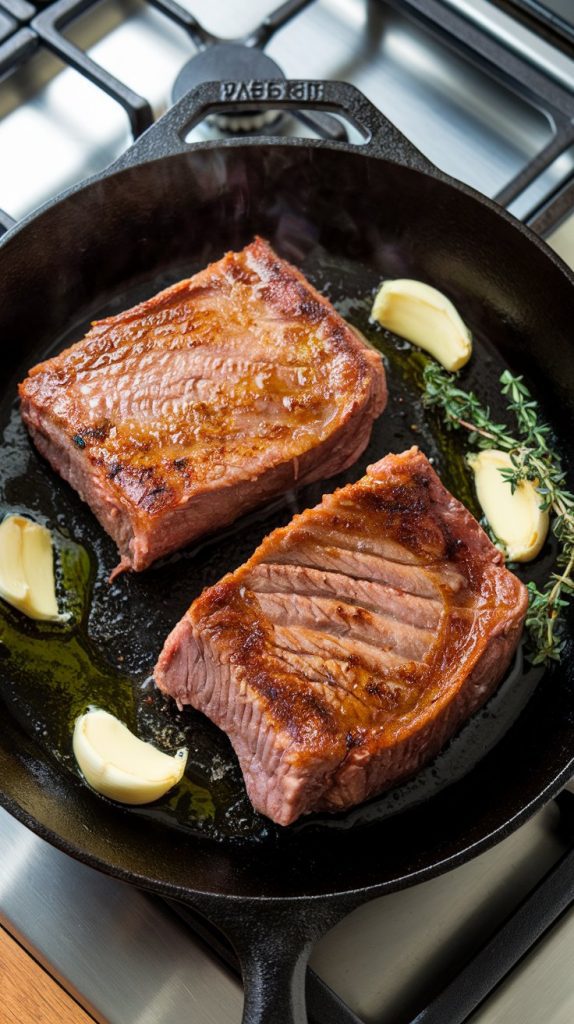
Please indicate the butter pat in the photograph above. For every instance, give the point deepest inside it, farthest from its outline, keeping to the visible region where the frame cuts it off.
(425, 317)
(515, 518)
(27, 568)
(119, 765)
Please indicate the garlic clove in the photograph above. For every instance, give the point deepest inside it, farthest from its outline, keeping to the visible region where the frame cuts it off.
(516, 518)
(425, 317)
(27, 568)
(119, 765)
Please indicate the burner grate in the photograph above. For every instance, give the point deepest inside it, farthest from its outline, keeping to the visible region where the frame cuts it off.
(16, 50)
(215, 59)
(556, 17)
(49, 24)
(7, 25)
(537, 193)
(20, 10)
(40, 135)
(524, 79)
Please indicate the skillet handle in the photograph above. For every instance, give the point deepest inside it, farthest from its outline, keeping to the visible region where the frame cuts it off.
(381, 138)
(273, 941)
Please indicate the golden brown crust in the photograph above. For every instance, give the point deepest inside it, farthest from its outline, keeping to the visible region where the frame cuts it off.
(401, 504)
(243, 365)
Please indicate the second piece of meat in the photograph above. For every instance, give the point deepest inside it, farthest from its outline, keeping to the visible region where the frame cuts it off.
(354, 642)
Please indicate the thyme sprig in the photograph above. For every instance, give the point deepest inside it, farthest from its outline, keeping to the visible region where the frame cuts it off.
(532, 458)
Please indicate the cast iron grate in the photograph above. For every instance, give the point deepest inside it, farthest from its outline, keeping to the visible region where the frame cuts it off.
(17, 50)
(551, 16)
(7, 25)
(248, 61)
(519, 75)
(215, 58)
(49, 25)
(14, 51)
(20, 10)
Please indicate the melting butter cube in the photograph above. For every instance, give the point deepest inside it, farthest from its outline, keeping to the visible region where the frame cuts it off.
(425, 317)
(515, 518)
(27, 568)
(119, 765)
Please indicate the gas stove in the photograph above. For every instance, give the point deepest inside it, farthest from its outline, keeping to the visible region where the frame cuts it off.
(486, 90)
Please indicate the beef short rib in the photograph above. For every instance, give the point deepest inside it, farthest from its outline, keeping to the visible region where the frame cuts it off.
(343, 655)
(175, 417)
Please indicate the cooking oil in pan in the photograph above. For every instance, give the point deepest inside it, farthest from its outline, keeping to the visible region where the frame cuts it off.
(104, 654)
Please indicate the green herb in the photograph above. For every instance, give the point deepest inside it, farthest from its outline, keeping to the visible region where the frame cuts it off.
(533, 459)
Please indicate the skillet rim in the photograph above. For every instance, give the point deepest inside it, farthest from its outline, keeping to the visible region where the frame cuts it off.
(438, 866)
(354, 895)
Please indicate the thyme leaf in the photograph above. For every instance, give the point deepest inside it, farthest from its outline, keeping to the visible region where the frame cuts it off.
(532, 458)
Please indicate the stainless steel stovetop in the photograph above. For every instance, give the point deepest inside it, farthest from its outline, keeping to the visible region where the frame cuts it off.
(123, 954)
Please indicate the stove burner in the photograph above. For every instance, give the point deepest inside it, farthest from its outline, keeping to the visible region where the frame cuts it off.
(216, 59)
(232, 62)
(243, 60)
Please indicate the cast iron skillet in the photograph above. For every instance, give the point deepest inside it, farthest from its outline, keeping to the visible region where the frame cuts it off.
(348, 216)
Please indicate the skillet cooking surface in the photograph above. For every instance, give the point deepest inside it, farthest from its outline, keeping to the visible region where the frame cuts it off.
(106, 651)
(105, 654)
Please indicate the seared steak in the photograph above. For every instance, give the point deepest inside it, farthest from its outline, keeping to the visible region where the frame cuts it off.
(353, 644)
(173, 418)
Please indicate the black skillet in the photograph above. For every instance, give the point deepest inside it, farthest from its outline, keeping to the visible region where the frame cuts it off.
(348, 216)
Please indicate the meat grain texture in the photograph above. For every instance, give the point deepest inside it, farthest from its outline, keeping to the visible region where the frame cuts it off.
(343, 655)
(175, 417)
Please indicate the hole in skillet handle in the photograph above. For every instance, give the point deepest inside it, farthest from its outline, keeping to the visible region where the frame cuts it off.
(168, 136)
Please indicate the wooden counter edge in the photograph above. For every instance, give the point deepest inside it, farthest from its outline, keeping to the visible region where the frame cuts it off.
(29, 994)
